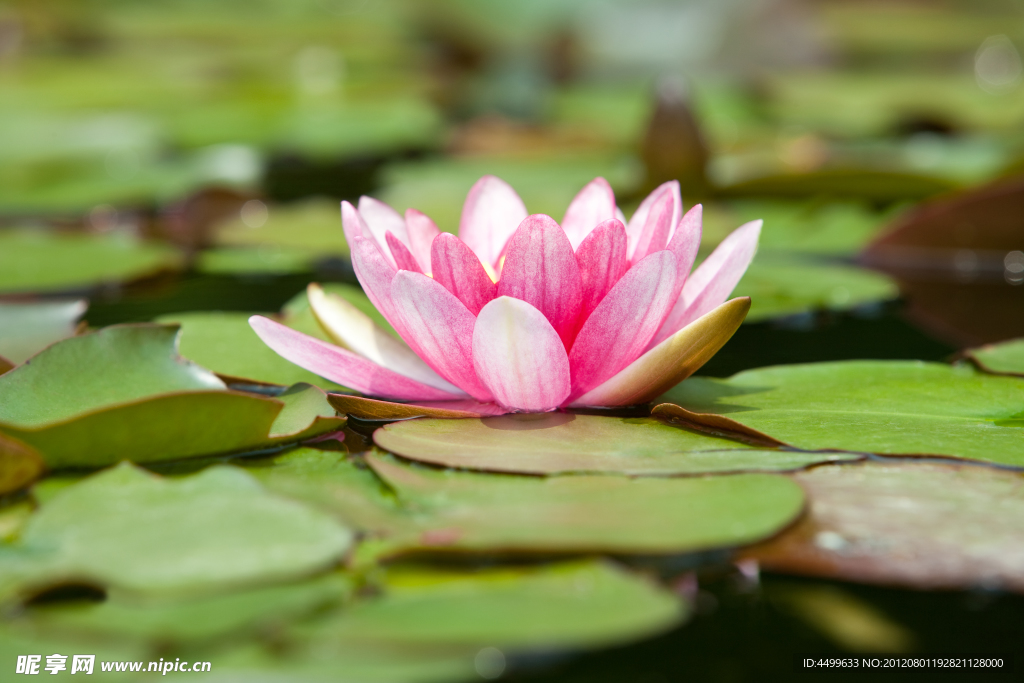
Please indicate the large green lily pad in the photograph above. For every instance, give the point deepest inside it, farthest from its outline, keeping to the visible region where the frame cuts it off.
(127, 529)
(922, 525)
(29, 328)
(888, 407)
(554, 443)
(423, 509)
(122, 392)
(1006, 358)
(37, 261)
(226, 344)
(574, 604)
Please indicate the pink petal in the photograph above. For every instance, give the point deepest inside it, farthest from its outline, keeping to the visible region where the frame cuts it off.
(686, 239)
(662, 217)
(401, 254)
(380, 218)
(456, 267)
(374, 274)
(671, 361)
(352, 223)
(618, 330)
(352, 329)
(342, 366)
(519, 356)
(714, 279)
(491, 214)
(422, 232)
(637, 224)
(540, 269)
(439, 328)
(602, 261)
(593, 205)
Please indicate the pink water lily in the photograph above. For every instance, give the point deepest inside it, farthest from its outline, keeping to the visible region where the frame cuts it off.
(521, 314)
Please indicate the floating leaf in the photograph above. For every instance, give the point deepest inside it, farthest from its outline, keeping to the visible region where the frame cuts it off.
(213, 530)
(20, 464)
(373, 409)
(1000, 359)
(574, 604)
(29, 328)
(36, 261)
(122, 392)
(226, 344)
(554, 443)
(888, 407)
(465, 511)
(921, 525)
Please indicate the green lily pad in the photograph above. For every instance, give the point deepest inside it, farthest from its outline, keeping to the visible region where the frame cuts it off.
(844, 183)
(30, 328)
(780, 285)
(199, 620)
(214, 530)
(575, 604)
(36, 261)
(556, 443)
(887, 407)
(1006, 358)
(422, 509)
(225, 343)
(122, 392)
(922, 525)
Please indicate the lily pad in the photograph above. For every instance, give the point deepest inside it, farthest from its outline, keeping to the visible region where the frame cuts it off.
(225, 343)
(785, 285)
(843, 183)
(887, 407)
(922, 525)
(575, 604)
(423, 509)
(214, 530)
(20, 464)
(1000, 359)
(555, 443)
(37, 261)
(122, 392)
(29, 328)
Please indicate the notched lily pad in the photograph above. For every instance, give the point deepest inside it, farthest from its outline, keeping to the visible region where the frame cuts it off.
(469, 511)
(125, 528)
(29, 328)
(555, 443)
(1000, 359)
(921, 525)
(886, 407)
(417, 509)
(123, 392)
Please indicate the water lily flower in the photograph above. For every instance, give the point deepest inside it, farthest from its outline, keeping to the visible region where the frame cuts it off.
(519, 313)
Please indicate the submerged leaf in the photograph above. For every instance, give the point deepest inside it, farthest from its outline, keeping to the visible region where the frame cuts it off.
(925, 526)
